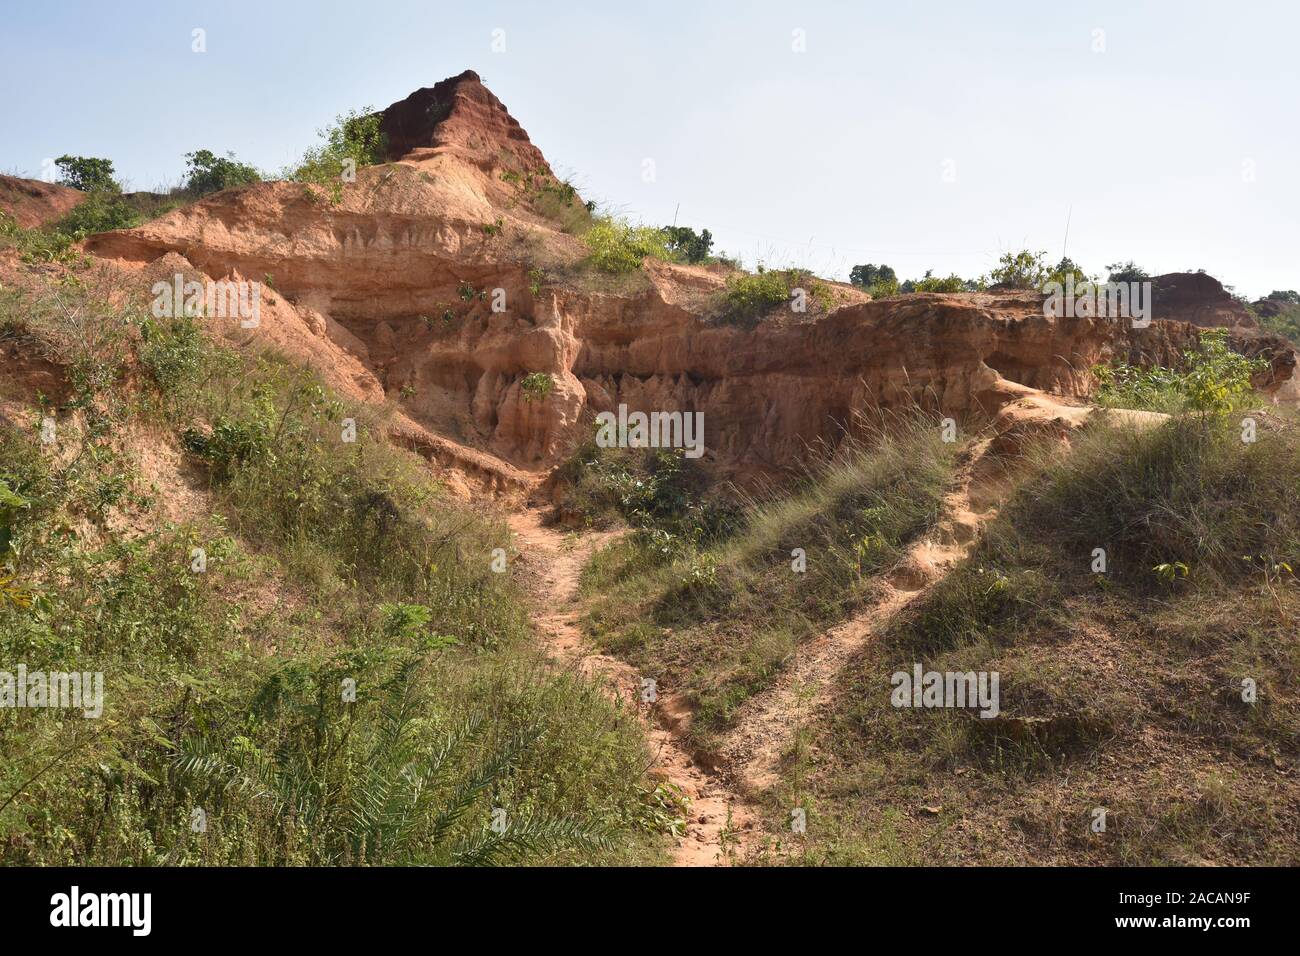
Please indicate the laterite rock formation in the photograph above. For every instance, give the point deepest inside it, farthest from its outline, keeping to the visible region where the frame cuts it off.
(390, 293)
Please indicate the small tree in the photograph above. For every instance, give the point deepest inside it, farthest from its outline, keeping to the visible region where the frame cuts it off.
(1128, 271)
(1020, 270)
(1067, 270)
(869, 275)
(691, 246)
(209, 173)
(87, 173)
(355, 140)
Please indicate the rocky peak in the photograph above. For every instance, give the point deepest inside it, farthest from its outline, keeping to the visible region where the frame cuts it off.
(460, 115)
(1198, 298)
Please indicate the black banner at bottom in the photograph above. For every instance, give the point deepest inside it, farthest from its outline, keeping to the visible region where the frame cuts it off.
(337, 905)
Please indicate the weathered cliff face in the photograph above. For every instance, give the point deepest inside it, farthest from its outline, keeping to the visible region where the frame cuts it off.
(419, 288)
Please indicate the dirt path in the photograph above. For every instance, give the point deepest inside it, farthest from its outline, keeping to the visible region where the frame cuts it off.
(554, 562)
(764, 730)
(765, 727)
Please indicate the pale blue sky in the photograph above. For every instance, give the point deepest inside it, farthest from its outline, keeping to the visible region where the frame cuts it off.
(823, 158)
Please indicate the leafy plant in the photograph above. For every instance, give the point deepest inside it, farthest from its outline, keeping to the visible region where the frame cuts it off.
(209, 173)
(687, 244)
(1128, 271)
(747, 297)
(100, 211)
(932, 283)
(1212, 379)
(869, 275)
(1170, 571)
(11, 503)
(354, 140)
(1020, 270)
(536, 386)
(618, 246)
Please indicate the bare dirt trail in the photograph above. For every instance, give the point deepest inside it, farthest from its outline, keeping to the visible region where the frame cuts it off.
(765, 727)
(719, 823)
(748, 760)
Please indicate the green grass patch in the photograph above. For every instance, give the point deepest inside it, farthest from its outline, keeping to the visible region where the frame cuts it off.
(716, 612)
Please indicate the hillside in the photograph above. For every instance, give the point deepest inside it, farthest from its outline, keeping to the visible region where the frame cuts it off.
(635, 655)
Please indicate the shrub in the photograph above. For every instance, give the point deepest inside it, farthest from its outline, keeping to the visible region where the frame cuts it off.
(1212, 379)
(747, 297)
(1279, 312)
(34, 245)
(354, 141)
(1020, 270)
(1066, 271)
(172, 352)
(536, 386)
(658, 492)
(932, 283)
(209, 173)
(619, 247)
(551, 198)
(1128, 271)
(98, 212)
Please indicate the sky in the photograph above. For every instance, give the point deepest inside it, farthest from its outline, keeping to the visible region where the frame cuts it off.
(821, 134)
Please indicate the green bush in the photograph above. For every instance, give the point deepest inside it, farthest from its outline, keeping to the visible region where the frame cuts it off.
(747, 297)
(551, 198)
(1212, 379)
(355, 140)
(173, 352)
(209, 173)
(536, 386)
(98, 212)
(932, 283)
(619, 247)
(1020, 270)
(1128, 271)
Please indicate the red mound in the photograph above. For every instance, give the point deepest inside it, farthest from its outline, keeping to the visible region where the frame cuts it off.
(1197, 298)
(462, 115)
(34, 203)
